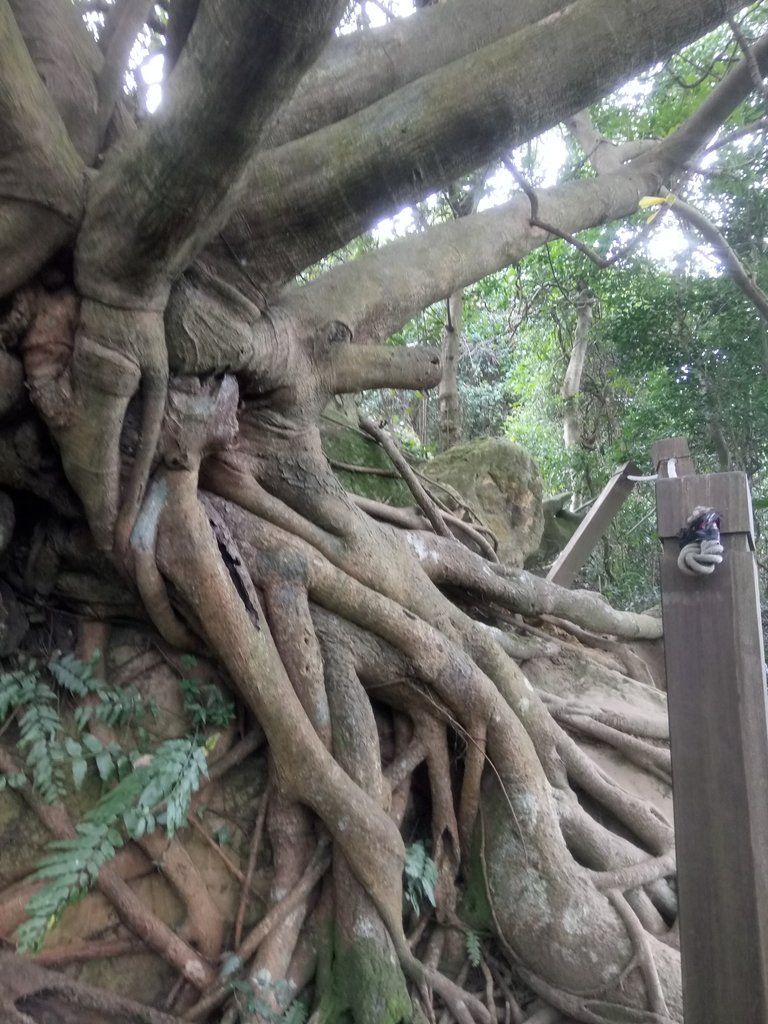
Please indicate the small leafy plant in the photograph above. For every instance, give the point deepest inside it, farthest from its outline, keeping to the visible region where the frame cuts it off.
(474, 953)
(147, 790)
(420, 876)
(32, 691)
(296, 1013)
(204, 704)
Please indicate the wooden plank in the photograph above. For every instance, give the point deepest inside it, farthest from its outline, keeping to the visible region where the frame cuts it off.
(671, 457)
(719, 737)
(721, 491)
(593, 526)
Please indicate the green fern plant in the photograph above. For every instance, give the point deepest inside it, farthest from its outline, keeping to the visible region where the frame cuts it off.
(145, 791)
(297, 1013)
(32, 690)
(204, 704)
(420, 876)
(474, 952)
(23, 691)
(157, 791)
(114, 705)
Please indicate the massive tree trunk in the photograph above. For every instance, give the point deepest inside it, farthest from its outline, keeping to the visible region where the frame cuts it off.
(149, 335)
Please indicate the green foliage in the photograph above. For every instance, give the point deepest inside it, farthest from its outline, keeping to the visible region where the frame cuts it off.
(113, 706)
(297, 1013)
(252, 1003)
(29, 690)
(474, 953)
(157, 790)
(145, 790)
(420, 876)
(205, 705)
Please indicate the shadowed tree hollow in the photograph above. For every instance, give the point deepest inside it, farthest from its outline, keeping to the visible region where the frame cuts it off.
(163, 372)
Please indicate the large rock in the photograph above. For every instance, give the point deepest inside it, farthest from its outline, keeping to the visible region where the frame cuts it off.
(501, 482)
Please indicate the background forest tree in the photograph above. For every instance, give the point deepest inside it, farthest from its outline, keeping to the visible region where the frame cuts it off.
(183, 292)
(675, 348)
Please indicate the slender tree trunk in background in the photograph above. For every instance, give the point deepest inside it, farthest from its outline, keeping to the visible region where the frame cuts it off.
(464, 204)
(715, 425)
(571, 389)
(448, 391)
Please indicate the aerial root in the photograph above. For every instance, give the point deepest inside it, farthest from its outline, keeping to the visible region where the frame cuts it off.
(644, 821)
(253, 852)
(24, 984)
(446, 658)
(655, 760)
(472, 535)
(425, 502)
(287, 608)
(149, 580)
(445, 828)
(220, 992)
(292, 839)
(643, 955)
(469, 802)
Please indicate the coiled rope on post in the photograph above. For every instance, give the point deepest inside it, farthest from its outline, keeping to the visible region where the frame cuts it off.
(700, 547)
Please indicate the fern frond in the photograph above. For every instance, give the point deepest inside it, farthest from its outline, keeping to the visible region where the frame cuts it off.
(40, 730)
(474, 953)
(70, 866)
(73, 675)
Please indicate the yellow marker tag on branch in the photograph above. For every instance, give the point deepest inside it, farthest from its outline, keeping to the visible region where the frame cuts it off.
(649, 201)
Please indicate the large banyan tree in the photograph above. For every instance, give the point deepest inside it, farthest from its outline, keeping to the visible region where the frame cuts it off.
(162, 377)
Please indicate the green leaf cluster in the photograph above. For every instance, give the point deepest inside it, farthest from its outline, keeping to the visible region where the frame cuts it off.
(156, 790)
(30, 691)
(420, 876)
(205, 705)
(474, 952)
(146, 790)
(296, 1013)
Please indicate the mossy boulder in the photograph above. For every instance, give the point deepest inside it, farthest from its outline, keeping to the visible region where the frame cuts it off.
(501, 482)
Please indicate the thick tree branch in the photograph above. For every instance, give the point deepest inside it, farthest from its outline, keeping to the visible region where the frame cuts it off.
(41, 175)
(359, 69)
(164, 193)
(131, 17)
(385, 288)
(361, 367)
(699, 128)
(379, 292)
(603, 154)
(733, 265)
(68, 60)
(327, 188)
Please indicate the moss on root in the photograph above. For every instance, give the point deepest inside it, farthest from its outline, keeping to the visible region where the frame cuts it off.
(365, 985)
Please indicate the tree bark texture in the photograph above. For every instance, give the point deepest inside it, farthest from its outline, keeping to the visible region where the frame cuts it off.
(162, 378)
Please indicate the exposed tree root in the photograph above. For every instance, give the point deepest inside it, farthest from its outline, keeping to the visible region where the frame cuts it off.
(25, 986)
(323, 618)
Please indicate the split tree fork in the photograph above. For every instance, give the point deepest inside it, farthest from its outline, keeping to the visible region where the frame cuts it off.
(144, 270)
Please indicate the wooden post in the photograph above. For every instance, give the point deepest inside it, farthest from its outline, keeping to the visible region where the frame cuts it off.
(593, 526)
(719, 735)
